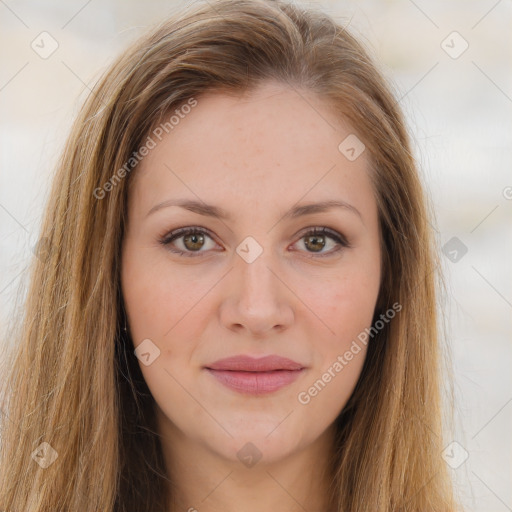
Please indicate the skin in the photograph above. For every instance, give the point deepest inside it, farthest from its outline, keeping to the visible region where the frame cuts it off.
(256, 156)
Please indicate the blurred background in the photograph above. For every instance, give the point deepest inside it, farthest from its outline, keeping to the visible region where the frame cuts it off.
(450, 65)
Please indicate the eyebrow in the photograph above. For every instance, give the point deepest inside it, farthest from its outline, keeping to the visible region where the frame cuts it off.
(209, 210)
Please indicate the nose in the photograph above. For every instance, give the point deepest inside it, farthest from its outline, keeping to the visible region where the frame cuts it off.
(257, 300)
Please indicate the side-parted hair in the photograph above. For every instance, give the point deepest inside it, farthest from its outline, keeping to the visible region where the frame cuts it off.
(72, 379)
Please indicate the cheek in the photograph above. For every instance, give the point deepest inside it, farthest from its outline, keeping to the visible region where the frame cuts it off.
(157, 311)
(164, 306)
(155, 299)
(348, 303)
(347, 306)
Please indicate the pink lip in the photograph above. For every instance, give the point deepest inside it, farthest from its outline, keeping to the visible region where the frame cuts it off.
(255, 376)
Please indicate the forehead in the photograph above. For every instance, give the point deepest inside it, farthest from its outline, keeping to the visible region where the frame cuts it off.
(271, 144)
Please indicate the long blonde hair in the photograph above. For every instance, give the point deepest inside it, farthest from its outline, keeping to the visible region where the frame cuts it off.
(72, 380)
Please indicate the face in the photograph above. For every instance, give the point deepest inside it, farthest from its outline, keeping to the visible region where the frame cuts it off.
(255, 275)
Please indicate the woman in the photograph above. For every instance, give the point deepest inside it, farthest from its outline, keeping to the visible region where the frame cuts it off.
(235, 307)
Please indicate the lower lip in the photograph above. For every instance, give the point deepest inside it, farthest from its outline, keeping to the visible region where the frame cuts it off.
(255, 383)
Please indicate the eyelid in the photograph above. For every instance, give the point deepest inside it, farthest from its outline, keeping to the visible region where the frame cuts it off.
(324, 230)
(338, 237)
(176, 233)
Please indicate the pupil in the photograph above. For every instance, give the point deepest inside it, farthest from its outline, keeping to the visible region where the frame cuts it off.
(194, 239)
(315, 242)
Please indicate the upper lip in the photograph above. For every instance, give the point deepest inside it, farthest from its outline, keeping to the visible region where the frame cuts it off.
(251, 364)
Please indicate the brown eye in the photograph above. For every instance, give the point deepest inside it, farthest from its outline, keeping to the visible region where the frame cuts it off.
(315, 243)
(316, 240)
(193, 242)
(189, 241)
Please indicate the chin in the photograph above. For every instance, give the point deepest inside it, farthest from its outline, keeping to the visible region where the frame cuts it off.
(256, 446)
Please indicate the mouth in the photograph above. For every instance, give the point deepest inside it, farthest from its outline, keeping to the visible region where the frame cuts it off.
(248, 375)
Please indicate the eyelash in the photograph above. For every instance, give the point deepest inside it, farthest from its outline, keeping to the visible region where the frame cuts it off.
(179, 233)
